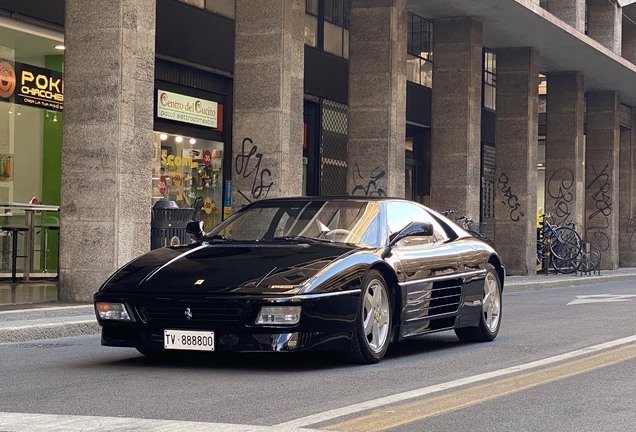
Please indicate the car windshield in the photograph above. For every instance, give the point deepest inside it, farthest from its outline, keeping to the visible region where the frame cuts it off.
(341, 221)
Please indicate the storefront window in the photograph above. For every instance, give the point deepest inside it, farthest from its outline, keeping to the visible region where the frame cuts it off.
(31, 107)
(189, 171)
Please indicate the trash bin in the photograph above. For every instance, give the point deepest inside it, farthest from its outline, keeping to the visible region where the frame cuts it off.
(168, 224)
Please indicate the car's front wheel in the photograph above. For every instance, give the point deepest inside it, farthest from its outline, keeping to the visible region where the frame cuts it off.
(371, 335)
(490, 319)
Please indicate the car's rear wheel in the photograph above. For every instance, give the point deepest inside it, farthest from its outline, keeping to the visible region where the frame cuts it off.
(372, 332)
(490, 317)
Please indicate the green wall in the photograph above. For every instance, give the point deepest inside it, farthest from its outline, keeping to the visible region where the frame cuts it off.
(52, 167)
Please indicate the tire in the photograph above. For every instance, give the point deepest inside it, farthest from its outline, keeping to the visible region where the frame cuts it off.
(490, 317)
(372, 330)
(566, 266)
(569, 245)
(589, 258)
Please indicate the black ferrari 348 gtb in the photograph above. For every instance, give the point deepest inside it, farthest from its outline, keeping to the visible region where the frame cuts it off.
(309, 273)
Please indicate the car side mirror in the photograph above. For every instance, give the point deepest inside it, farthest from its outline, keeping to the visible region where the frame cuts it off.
(413, 229)
(196, 229)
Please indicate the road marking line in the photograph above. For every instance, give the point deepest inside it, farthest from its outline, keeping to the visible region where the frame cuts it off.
(18, 422)
(601, 298)
(417, 393)
(380, 420)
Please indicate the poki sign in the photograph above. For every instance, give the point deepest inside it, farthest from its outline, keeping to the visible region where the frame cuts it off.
(186, 109)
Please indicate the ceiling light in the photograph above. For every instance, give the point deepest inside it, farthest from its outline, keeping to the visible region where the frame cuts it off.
(60, 47)
(19, 113)
(179, 138)
(10, 110)
(192, 141)
(163, 137)
(55, 117)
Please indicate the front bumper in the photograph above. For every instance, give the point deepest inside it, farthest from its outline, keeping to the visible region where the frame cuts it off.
(327, 322)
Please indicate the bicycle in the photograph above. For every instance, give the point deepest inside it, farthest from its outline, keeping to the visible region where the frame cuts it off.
(561, 244)
(466, 222)
(589, 258)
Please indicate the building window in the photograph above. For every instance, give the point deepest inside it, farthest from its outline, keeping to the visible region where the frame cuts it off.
(490, 79)
(327, 26)
(419, 63)
(220, 7)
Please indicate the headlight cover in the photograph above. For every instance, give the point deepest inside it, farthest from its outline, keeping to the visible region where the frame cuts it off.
(112, 311)
(278, 315)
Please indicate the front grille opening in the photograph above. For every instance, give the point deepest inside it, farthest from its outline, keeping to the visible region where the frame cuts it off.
(189, 312)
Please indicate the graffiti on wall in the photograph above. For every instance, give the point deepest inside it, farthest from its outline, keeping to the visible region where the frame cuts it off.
(510, 199)
(247, 165)
(372, 186)
(598, 221)
(630, 230)
(560, 188)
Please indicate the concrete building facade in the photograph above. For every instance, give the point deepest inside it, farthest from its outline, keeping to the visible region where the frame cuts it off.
(498, 109)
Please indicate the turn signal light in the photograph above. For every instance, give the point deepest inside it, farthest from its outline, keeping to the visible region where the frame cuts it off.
(112, 311)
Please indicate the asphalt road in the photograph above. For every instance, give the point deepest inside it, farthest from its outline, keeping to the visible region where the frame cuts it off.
(565, 359)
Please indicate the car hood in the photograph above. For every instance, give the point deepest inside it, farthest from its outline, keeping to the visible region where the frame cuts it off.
(225, 268)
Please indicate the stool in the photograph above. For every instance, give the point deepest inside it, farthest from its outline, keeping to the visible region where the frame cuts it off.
(45, 229)
(15, 230)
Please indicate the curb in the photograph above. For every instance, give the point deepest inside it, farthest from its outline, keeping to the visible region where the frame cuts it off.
(554, 281)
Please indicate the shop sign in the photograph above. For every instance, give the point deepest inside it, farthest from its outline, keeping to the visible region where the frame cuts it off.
(186, 109)
(194, 154)
(39, 87)
(7, 80)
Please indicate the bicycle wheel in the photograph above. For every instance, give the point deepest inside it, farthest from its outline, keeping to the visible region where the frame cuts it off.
(565, 243)
(589, 258)
(565, 266)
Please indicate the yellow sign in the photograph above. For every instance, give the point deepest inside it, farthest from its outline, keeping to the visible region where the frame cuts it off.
(172, 160)
(208, 205)
(227, 211)
(176, 179)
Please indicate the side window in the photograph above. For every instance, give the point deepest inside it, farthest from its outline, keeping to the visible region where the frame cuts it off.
(400, 214)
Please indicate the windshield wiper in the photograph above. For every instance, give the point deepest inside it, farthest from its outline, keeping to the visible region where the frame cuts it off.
(298, 237)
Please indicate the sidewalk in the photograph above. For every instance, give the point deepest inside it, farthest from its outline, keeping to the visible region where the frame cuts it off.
(52, 319)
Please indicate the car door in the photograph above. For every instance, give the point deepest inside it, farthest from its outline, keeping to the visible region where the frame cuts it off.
(430, 280)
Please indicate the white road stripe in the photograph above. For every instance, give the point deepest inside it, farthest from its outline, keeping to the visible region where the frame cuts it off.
(400, 397)
(20, 422)
(601, 298)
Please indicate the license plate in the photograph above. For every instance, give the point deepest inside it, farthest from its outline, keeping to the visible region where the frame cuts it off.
(188, 340)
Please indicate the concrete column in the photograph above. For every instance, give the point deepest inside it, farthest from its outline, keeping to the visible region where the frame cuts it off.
(627, 196)
(377, 98)
(565, 148)
(604, 23)
(601, 174)
(572, 12)
(516, 140)
(108, 122)
(268, 100)
(456, 116)
(628, 50)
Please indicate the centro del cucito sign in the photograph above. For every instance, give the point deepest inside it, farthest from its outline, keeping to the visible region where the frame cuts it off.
(186, 109)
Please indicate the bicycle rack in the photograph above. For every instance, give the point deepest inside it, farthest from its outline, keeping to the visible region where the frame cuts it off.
(585, 260)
